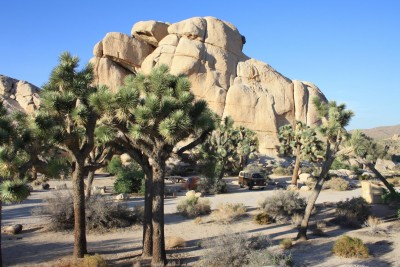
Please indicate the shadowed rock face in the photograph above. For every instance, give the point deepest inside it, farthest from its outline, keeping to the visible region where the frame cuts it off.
(209, 52)
(18, 95)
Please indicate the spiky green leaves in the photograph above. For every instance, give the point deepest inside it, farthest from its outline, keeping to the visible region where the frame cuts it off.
(13, 191)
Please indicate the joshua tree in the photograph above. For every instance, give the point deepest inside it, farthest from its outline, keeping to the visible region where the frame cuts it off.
(300, 141)
(152, 113)
(334, 118)
(369, 151)
(248, 145)
(68, 120)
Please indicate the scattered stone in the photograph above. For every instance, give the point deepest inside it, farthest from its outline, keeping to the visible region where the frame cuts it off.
(292, 187)
(383, 165)
(13, 229)
(121, 197)
(45, 186)
(304, 177)
(304, 188)
(190, 193)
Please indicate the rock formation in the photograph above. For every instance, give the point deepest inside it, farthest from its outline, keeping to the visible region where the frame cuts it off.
(18, 95)
(209, 52)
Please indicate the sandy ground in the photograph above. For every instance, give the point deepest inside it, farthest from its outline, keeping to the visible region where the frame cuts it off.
(37, 247)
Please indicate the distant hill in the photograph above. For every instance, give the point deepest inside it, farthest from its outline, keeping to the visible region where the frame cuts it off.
(383, 132)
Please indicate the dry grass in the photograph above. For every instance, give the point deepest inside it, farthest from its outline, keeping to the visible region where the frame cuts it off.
(337, 183)
(193, 206)
(228, 212)
(175, 242)
(350, 247)
(286, 243)
(373, 223)
(263, 218)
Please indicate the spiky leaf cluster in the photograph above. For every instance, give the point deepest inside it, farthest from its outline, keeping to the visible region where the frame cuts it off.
(13, 191)
(303, 136)
(365, 147)
(156, 110)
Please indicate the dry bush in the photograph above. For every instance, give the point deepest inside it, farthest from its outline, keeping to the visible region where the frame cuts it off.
(198, 220)
(283, 204)
(349, 247)
(175, 242)
(296, 220)
(229, 212)
(337, 183)
(101, 213)
(352, 212)
(267, 257)
(90, 261)
(373, 223)
(231, 250)
(286, 243)
(263, 218)
(193, 206)
(282, 171)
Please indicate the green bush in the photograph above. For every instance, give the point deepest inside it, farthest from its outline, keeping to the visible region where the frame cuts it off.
(349, 247)
(389, 197)
(337, 183)
(282, 171)
(266, 257)
(337, 165)
(115, 165)
(193, 206)
(283, 204)
(352, 212)
(129, 179)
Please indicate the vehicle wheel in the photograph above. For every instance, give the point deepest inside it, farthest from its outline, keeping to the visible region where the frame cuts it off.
(250, 187)
(262, 188)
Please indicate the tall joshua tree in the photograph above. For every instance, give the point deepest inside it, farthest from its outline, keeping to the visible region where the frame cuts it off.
(300, 141)
(334, 118)
(66, 117)
(152, 114)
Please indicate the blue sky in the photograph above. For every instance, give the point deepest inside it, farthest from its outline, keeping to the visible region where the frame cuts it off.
(349, 49)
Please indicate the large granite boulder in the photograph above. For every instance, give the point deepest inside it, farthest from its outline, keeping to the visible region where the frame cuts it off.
(18, 95)
(209, 52)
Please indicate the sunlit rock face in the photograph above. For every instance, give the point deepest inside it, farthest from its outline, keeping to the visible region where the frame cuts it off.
(209, 52)
(18, 95)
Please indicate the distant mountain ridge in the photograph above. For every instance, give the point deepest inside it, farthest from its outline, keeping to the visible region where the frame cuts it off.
(383, 132)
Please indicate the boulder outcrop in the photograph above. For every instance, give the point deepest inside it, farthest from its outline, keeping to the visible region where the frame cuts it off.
(18, 95)
(209, 52)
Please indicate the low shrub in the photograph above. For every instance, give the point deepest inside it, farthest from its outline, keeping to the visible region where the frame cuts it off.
(389, 197)
(231, 250)
(229, 212)
(296, 220)
(193, 206)
(283, 204)
(115, 165)
(101, 213)
(269, 258)
(373, 223)
(286, 243)
(175, 242)
(352, 212)
(337, 183)
(91, 261)
(129, 179)
(263, 218)
(349, 247)
(212, 186)
(282, 171)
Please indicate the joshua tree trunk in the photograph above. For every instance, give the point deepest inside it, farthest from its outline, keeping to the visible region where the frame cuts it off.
(79, 211)
(159, 256)
(221, 173)
(296, 166)
(148, 216)
(34, 173)
(380, 177)
(329, 158)
(89, 184)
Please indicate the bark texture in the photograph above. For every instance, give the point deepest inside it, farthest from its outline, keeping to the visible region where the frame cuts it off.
(80, 248)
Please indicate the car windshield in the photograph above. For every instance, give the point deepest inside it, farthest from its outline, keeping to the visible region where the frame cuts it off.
(257, 175)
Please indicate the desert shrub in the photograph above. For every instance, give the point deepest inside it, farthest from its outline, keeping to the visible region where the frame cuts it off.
(101, 213)
(115, 165)
(296, 220)
(282, 171)
(229, 212)
(263, 218)
(269, 258)
(212, 185)
(193, 206)
(373, 223)
(129, 179)
(219, 187)
(91, 261)
(198, 220)
(230, 249)
(311, 182)
(283, 204)
(349, 247)
(286, 243)
(352, 212)
(337, 183)
(389, 197)
(175, 242)
(337, 164)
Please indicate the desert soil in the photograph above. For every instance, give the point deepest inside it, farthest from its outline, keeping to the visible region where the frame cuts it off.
(36, 246)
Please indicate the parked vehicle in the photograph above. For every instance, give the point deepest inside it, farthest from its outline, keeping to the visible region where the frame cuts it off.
(252, 179)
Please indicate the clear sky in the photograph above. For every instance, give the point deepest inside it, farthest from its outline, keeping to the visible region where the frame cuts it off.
(349, 48)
